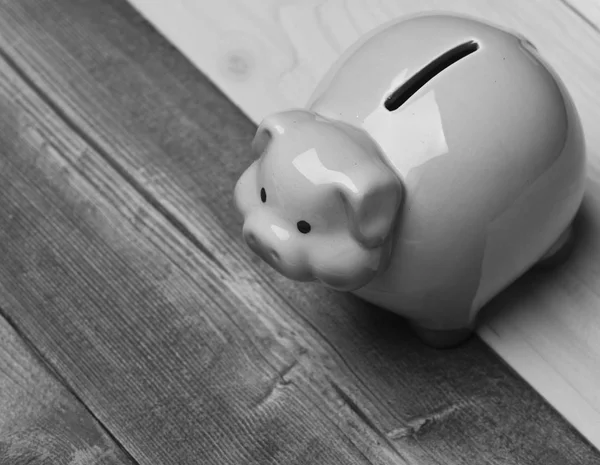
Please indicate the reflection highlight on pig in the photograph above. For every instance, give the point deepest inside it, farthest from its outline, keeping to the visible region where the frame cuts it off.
(319, 203)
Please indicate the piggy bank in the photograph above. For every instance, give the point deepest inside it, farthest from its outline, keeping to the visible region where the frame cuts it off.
(437, 161)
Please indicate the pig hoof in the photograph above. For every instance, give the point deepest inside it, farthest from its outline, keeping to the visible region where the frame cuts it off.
(559, 251)
(444, 338)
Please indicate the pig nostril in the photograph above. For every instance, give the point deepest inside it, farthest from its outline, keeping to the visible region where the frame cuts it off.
(251, 239)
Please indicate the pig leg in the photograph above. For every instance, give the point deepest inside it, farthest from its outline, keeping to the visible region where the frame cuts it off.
(559, 251)
(442, 338)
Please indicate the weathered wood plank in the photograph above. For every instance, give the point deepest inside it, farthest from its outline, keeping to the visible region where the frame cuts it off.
(124, 264)
(41, 422)
(269, 55)
(133, 315)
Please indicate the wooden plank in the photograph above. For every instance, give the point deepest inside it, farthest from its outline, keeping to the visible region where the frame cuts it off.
(134, 315)
(270, 55)
(123, 262)
(41, 422)
(587, 10)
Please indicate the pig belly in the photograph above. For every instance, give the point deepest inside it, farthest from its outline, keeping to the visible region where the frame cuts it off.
(433, 286)
(447, 265)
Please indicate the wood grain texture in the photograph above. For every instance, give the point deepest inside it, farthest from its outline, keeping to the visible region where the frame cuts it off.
(41, 422)
(123, 262)
(269, 56)
(587, 10)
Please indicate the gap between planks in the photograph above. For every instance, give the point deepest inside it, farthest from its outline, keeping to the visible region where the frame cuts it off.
(41, 419)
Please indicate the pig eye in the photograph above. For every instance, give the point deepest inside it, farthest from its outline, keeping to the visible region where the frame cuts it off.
(303, 227)
(263, 195)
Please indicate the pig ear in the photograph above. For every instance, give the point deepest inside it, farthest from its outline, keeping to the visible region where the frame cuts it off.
(261, 140)
(372, 200)
(276, 125)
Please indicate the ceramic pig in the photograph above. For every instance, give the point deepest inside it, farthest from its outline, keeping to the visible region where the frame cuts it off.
(437, 161)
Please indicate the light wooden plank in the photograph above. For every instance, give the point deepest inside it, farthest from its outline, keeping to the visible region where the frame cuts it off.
(588, 10)
(153, 285)
(41, 421)
(267, 56)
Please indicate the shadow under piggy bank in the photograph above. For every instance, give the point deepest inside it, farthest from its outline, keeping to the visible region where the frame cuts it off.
(579, 256)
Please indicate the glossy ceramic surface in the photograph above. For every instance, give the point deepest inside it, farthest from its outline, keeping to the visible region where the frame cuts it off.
(438, 160)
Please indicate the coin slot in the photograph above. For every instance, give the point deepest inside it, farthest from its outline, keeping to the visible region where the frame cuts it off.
(397, 98)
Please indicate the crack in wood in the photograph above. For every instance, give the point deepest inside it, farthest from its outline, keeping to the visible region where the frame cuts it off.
(281, 380)
(417, 424)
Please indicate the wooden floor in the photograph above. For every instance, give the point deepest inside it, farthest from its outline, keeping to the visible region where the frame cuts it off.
(137, 329)
(268, 56)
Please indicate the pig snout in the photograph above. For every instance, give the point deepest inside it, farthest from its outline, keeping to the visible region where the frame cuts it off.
(270, 238)
(312, 168)
(259, 247)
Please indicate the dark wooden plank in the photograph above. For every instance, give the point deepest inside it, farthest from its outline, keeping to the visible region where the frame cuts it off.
(41, 422)
(138, 320)
(185, 346)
